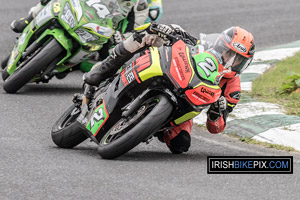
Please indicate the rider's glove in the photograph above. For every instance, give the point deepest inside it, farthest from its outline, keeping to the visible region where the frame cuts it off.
(185, 35)
(216, 109)
(118, 37)
(162, 30)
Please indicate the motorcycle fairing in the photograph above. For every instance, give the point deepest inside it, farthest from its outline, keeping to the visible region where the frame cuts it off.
(204, 94)
(192, 91)
(83, 14)
(181, 69)
(97, 119)
(147, 70)
(143, 68)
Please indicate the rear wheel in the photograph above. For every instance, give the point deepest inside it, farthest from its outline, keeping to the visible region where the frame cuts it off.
(66, 132)
(129, 132)
(24, 74)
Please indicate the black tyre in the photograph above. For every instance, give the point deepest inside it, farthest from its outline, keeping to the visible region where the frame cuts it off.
(23, 75)
(66, 132)
(4, 62)
(129, 132)
(5, 74)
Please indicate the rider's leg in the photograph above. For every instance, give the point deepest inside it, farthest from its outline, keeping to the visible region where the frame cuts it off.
(19, 25)
(178, 139)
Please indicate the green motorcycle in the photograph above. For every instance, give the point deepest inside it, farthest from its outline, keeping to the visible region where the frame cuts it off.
(64, 33)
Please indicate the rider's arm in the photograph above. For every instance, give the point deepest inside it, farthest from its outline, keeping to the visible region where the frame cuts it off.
(124, 51)
(216, 120)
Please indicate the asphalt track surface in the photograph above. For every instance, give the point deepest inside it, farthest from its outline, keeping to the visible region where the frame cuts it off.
(31, 167)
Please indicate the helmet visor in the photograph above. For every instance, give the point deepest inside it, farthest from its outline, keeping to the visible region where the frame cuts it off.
(240, 64)
(234, 61)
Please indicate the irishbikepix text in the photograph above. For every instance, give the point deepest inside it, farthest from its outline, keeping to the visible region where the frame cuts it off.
(240, 164)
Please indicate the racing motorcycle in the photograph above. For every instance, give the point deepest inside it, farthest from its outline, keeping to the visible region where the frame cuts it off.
(158, 87)
(62, 35)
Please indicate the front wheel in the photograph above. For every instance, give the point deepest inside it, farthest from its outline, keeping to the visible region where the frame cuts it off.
(129, 132)
(23, 75)
(66, 132)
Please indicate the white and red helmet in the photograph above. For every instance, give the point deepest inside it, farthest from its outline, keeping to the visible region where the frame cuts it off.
(237, 45)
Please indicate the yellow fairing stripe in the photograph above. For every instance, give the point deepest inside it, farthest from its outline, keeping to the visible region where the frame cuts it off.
(210, 86)
(188, 55)
(154, 69)
(186, 117)
(142, 27)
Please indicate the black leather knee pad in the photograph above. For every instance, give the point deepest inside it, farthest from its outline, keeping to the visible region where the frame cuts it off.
(181, 143)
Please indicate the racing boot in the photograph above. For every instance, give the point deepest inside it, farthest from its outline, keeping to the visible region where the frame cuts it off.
(19, 25)
(108, 67)
(103, 70)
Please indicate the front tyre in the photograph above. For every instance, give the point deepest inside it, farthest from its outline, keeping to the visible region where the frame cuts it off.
(23, 75)
(129, 132)
(66, 132)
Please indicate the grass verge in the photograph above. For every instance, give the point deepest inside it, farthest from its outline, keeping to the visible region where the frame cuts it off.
(266, 87)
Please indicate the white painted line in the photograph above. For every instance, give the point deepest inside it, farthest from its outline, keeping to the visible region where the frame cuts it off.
(276, 54)
(258, 69)
(245, 110)
(287, 136)
(246, 86)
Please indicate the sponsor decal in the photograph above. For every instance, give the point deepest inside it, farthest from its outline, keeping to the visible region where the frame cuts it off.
(167, 55)
(235, 95)
(186, 62)
(97, 119)
(105, 31)
(178, 69)
(130, 77)
(240, 47)
(77, 7)
(203, 90)
(200, 97)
